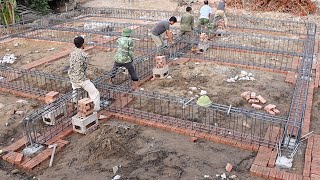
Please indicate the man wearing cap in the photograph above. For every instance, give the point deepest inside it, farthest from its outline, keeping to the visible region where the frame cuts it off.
(78, 72)
(187, 22)
(205, 12)
(124, 55)
(220, 14)
(161, 27)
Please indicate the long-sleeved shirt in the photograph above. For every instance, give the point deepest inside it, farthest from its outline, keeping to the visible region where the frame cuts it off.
(78, 65)
(124, 52)
(187, 22)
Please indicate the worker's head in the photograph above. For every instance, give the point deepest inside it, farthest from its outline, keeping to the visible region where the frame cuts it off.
(188, 9)
(79, 42)
(206, 2)
(173, 20)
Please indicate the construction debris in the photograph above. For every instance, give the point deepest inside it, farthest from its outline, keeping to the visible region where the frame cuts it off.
(243, 76)
(8, 58)
(228, 167)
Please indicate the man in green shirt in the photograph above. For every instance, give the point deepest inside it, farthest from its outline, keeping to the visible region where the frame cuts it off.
(187, 22)
(124, 55)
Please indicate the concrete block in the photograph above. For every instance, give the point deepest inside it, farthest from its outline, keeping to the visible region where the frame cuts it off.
(52, 116)
(84, 124)
(161, 72)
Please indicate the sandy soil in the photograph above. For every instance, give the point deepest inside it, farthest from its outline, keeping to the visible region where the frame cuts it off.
(144, 153)
(212, 78)
(29, 50)
(10, 124)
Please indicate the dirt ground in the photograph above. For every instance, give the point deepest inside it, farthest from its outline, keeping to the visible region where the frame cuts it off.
(12, 111)
(315, 115)
(29, 50)
(212, 78)
(144, 153)
(10, 122)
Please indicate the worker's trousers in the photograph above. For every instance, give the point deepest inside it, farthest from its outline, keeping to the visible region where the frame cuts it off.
(93, 92)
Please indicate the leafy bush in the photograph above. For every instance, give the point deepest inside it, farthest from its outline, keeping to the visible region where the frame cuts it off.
(41, 6)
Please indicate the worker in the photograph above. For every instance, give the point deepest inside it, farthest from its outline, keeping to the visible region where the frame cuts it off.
(220, 14)
(187, 22)
(205, 12)
(78, 72)
(161, 27)
(124, 55)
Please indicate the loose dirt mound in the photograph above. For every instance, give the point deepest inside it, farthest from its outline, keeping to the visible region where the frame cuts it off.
(297, 7)
(112, 142)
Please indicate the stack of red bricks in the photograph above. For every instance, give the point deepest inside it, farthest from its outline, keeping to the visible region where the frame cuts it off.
(86, 107)
(254, 99)
(271, 109)
(51, 96)
(160, 62)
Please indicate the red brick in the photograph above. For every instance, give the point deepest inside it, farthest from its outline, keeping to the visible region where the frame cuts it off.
(12, 157)
(286, 176)
(272, 174)
(193, 139)
(307, 168)
(17, 145)
(269, 107)
(215, 138)
(256, 106)
(18, 158)
(276, 111)
(279, 174)
(314, 177)
(315, 168)
(261, 99)
(260, 170)
(200, 135)
(266, 172)
(253, 170)
(272, 159)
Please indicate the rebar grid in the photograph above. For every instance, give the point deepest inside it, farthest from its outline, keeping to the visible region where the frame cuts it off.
(33, 82)
(176, 111)
(282, 46)
(254, 24)
(299, 100)
(60, 111)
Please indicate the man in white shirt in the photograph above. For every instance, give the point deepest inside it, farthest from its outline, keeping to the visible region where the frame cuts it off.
(205, 13)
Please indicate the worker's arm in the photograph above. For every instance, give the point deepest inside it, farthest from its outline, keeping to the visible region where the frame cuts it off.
(192, 22)
(169, 35)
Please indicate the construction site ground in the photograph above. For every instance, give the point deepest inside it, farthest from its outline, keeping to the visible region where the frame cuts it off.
(27, 51)
(212, 78)
(143, 152)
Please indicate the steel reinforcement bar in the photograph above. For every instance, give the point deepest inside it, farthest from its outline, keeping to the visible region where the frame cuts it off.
(235, 123)
(32, 82)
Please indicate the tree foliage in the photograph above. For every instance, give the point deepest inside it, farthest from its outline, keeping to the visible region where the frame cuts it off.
(41, 6)
(7, 12)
